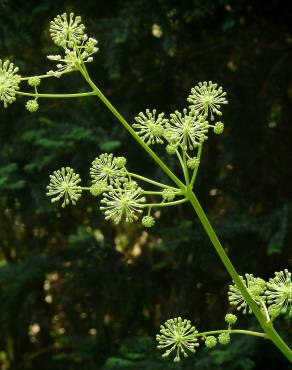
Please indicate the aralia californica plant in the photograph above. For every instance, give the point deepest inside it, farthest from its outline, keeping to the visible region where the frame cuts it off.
(121, 193)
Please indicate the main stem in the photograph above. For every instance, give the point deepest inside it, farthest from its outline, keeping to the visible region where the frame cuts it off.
(266, 326)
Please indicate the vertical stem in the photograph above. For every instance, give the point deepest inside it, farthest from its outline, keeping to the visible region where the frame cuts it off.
(267, 326)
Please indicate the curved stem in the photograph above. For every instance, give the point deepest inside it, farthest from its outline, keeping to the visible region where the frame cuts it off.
(174, 203)
(266, 326)
(196, 169)
(77, 95)
(236, 331)
(152, 181)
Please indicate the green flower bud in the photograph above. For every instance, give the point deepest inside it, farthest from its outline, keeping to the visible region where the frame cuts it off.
(193, 163)
(224, 338)
(34, 81)
(218, 128)
(170, 149)
(210, 342)
(32, 105)
(148, 221)
(168, 194)
(230, 318)
(98, 188)
(120, 162)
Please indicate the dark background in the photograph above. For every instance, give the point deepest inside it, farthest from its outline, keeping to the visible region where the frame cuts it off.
(77, 292)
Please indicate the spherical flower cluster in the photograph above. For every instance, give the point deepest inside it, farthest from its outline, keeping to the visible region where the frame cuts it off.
(193, 163)
(149, 127)
(107, 168)
(210, 341)
(279, 293)
(178, 336)
(207, 98)
(64, 184)
(32, 106)
(9, 82)
(123, 201)
(224, 338)
(218, 128)
(67, 30)
(148, 221)
(230, 318)
(171, 149)
(188, 129)
(255, 287)
(168, 195)
(98, 188)
(34, 81)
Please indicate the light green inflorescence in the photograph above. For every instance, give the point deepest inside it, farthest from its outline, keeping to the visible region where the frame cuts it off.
(177, 336)
(9, 82)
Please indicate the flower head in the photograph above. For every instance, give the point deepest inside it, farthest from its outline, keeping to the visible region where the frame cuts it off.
(207, 98)
(9, 82)
(107, 168)
(168, 194)
(255, 287)
(148, 221)
(188, 129)
(67, 30)
(179, 336)
(210, 341)
(34, 81)
(64, 184)
(279, 293)
(224, 338)
(123, 201)
(230, 318)
(32, 105)
(149, 127)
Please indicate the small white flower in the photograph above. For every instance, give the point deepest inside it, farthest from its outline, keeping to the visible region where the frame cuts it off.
(107, 168)
(67, 30)
(279, 293)
(179, 336)
(188, 129)
(123, 202)
(149, 127)
(64, 184)
(9, 82)
(207, 98)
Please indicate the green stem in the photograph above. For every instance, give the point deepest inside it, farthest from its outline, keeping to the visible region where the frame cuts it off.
(236, 331)
(266, 326)
(158, 205)
(78, 95)
(145, 179)
(196, 169)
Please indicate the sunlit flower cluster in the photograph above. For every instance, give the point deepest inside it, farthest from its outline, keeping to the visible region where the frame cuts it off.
(149, 127)
(64, 185)
(123, 202)
(107, 168)
(178, 336)
(207, 98)
(67, 30)
(188, 129)
(9, 82)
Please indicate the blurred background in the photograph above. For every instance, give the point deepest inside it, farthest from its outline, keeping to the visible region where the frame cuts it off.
(77, 292)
